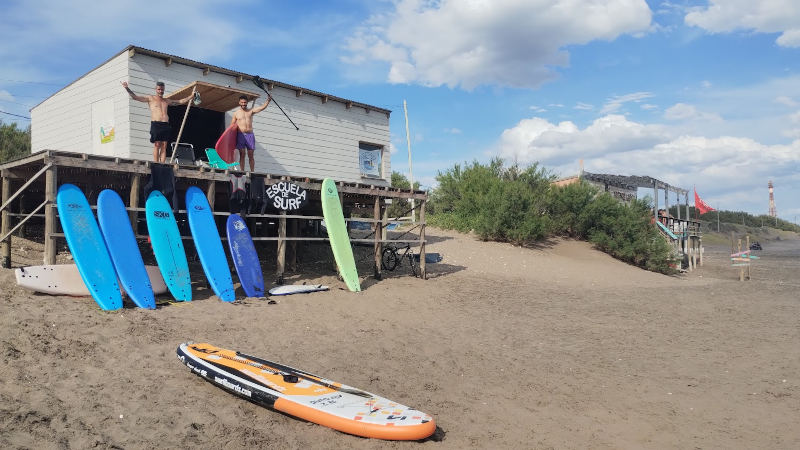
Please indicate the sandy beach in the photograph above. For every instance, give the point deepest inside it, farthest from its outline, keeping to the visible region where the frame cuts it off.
(558, 346)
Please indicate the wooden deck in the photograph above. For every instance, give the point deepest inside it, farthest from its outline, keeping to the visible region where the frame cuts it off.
(30, 184)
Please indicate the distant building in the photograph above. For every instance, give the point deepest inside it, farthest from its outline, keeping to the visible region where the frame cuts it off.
(618, 186)
(338, 138)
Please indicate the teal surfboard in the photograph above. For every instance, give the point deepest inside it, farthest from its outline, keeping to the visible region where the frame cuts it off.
(88, 247)
(167, 246)
(337, 235)
(208, 244)
(123, 248)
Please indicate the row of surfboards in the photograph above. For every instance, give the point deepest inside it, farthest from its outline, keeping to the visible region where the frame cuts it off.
(105, 250)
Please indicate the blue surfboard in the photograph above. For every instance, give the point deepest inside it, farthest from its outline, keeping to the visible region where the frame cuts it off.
(88, 247)
(167, 246)
(245, 258)
(124, 250)
(208, 244)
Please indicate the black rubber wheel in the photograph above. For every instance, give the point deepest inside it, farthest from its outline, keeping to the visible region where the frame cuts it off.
(389, 259)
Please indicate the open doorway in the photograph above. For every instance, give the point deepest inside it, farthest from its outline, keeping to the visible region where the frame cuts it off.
(202, 129)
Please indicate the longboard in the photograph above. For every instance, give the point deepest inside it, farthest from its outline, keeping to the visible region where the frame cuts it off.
(167, 246)
(208, 244)
(337, 235)
(226, 144)
(64, 279)
(245, 258)
(121, 242)
(88, 247)
(306, 396)
(290, 289)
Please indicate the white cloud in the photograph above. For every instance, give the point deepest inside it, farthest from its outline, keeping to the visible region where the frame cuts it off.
(648, 106)
(786, 101)
(732, 170)
(615, 103)
(537, 139)
(481, 42)
(583, 106)
(768, 16)
(683, 111)
(452, 130)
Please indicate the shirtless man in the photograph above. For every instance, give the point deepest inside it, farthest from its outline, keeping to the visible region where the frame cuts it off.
(243, 118)
(159, 120)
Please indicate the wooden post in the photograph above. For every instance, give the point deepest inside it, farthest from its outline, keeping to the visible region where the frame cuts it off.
(378, 233)
(5, 259)
(21, 230)
(281, 247)
(422, 272)
(748, 256)
(293, 232)
(655, 200)
(133, 201)
(50, 191)
(741, 268)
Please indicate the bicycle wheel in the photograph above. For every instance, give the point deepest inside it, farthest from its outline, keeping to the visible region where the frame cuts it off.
(389, 258)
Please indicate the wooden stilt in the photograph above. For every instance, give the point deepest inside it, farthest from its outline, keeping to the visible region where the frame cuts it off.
(133, 201)
(422, 272)
(378, 233)
(50, 191)
(5, 259)
(281, 247)
(21, 231)
(293, 232)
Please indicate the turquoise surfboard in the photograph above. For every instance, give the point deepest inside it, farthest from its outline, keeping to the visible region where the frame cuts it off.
(167, 246)
(208, 244)
(337, 235)
(88, 247)
(245, 258)
(121, 243)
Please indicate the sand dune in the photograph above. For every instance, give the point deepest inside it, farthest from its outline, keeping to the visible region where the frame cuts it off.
(553, 347)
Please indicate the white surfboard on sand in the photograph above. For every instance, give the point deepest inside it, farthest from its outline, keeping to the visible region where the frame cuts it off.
(290, 289)
(64, 279)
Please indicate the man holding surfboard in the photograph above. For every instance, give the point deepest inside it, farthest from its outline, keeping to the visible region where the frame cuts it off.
(160, 130)
(245, 139)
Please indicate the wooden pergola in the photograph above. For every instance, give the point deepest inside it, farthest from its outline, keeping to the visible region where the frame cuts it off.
(36, 179)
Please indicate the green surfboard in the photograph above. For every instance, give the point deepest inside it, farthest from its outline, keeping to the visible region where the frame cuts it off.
(337, 235)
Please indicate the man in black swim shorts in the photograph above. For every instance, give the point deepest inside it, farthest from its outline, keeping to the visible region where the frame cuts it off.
(160, 131)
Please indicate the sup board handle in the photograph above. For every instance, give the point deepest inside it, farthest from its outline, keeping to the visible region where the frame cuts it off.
(257, 81)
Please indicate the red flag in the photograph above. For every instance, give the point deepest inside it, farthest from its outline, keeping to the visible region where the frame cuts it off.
(700, 205)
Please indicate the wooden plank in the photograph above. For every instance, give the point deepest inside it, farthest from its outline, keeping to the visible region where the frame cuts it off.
(50, 190)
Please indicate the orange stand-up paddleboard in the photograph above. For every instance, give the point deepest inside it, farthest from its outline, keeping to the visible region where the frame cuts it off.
(306, 396)
(226, 144)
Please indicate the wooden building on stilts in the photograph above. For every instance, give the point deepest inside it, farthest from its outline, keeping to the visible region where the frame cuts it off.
(91, 133)
(679, 230)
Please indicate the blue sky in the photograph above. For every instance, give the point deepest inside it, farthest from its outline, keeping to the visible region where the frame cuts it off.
(695, 93)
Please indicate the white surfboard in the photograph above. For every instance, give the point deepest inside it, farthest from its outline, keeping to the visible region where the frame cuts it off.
(64, 279)
(290, 289)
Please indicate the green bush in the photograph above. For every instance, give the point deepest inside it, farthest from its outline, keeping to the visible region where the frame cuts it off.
(522, 206)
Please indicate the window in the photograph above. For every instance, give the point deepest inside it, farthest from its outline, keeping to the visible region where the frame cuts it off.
(370, 160)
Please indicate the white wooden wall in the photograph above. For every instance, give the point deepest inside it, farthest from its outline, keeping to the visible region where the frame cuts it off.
(64, 121)
(325, 146)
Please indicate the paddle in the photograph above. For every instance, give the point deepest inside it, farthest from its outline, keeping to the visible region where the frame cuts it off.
(257, 81)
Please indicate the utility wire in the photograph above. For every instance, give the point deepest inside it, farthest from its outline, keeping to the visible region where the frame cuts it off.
(15, 115)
